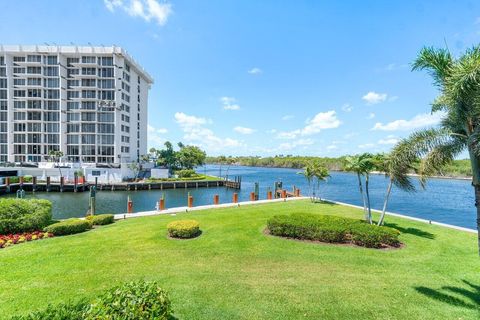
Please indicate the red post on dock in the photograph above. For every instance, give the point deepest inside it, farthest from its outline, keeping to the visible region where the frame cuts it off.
(297, 192)
(215, 199)
(284, 194)
(190, 201)
(252, 196)
(235, 197)
(269, 195)
(48, 184)
(129, 205)
(162, 204)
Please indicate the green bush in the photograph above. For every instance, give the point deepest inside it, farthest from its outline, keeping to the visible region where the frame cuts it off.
(332, 229)
(20, 215)
(183, 229)
(67, 311)
(186, 173)
(130, 301)
(101, 219)
(69, 226)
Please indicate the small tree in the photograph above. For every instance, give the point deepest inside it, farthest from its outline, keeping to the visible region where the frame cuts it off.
(188, 157)
(135, 167)
(314, 173)
(56, 156)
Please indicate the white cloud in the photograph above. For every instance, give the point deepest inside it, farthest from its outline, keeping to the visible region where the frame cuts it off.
(419, 121)
(244, 130)
(287, 117)
(272, 131)
(148, 10)
(292, 145)
(347, 108)
(332, 147)
(371, 115)
(255, 71)
(229, 103)
(195, 131)
(374, 97)
(155, 138)
(366, 146)
(185, 120)
(388, 141)
(322, 120)
(231, 107)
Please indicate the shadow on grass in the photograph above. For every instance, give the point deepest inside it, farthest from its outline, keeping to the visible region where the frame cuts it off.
(323, 202)
(412, 231)
(456, 296)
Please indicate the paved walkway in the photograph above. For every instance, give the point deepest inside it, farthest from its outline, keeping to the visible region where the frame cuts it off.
(246, 203)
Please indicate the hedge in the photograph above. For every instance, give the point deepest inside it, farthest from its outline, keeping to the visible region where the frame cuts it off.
(332, 229)
(101, 219)
(20, 215)
(183, 229)
(130, 301)
(70, 226)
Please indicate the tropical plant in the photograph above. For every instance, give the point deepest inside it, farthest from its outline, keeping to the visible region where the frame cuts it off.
(55, 156)
(458, 80)
(362, 165)
(315, 172)
(383, 163)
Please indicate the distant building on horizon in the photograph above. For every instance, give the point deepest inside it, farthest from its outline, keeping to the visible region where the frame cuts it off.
(89, 102)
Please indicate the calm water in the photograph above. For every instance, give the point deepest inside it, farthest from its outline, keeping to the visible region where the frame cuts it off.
(448, 201)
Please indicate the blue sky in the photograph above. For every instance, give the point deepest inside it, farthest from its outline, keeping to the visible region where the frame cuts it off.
(266, 77)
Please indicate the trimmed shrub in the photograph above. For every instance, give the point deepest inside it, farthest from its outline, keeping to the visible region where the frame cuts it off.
(183, 229)
(101, 219)
(20, 215)
(70, 226)
(186, 173)
(70, 311)
(332, 229)
(131, 301)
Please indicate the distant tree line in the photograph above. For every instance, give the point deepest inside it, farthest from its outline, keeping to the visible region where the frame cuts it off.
(457, 168)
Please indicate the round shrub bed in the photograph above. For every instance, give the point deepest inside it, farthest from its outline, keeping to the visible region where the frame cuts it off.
(70, 226)
(130, 301)
(20, 215)
(101, 219)
(184, 229)
(332, 229)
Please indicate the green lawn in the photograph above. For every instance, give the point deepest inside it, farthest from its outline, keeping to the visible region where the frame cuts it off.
(234, 271)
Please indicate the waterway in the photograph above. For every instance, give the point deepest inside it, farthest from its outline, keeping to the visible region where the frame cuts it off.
(444, 200)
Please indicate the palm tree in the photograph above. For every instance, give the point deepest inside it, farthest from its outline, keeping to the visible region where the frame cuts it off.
(458, 80)
(320, 173)
(308, 174)
(314, 172)
(362, 165)
(383, 163)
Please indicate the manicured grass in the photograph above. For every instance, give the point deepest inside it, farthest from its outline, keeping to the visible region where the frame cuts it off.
(199, 177)
(234, 271)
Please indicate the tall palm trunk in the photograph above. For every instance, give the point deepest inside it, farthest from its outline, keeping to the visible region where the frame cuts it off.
(369, 216)
(385, 202)
(475, 163)
(360, 187)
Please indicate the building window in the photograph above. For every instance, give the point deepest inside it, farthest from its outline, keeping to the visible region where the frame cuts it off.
(50, 71)
(88, 59)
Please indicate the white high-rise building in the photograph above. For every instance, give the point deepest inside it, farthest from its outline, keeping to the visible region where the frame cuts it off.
(88, 102)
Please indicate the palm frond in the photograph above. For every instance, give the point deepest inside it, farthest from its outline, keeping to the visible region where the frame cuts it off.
(440, 156)
(438, 63)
